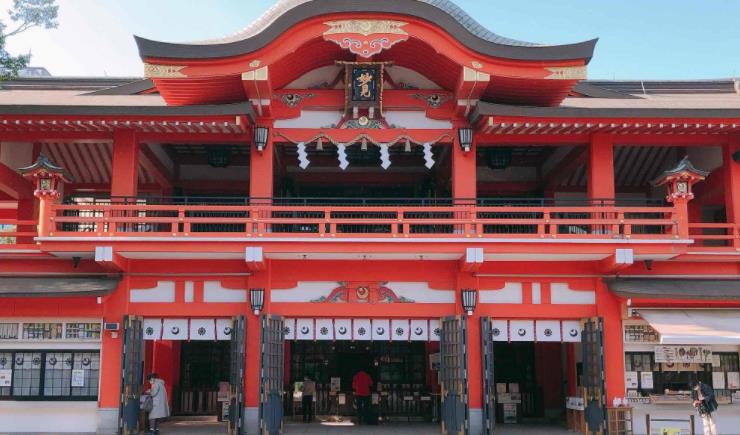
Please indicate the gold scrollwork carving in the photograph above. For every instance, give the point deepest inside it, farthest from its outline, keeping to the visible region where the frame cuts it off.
(365, 27)
(567, 72)
(163, 71)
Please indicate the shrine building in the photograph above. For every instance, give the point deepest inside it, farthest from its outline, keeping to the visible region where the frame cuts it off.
(377, 185)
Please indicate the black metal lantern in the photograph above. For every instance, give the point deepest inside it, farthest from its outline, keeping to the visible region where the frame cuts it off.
(499, 157)
(219, 157)
(469, 300)
(466, 138)
(260, 138)
(257, 299)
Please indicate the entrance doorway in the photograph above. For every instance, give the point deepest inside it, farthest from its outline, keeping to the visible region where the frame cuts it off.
(404, 374)
(531, 383)
(204, 367)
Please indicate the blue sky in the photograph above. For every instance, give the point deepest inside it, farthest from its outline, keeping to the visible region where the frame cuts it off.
(639, 39)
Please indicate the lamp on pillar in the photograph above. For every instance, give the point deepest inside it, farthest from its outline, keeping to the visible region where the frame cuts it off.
(48, 177)
(466, 138)
(260, 138)
(257, 299)
(469, 300)
(680, 180)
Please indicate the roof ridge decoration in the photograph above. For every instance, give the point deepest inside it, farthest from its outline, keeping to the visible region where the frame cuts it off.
(285, 14)
(366, 37)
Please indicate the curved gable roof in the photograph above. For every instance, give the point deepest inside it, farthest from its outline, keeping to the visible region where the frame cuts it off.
(287, 13)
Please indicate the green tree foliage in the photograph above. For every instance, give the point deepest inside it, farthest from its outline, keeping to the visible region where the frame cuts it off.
(24, 14)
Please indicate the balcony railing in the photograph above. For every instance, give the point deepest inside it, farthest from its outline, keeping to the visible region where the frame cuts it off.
(17, 232)
(366, 218)
(715, 235)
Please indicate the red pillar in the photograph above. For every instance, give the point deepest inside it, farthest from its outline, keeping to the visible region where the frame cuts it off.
(601, 167)
(464, 179)
(252, 379)
(609, 307)
(261, 166)
(473, 348)
(115, 306)
(732, 183)
(125, 173)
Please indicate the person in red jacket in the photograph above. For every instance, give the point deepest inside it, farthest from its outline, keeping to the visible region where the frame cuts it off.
(361, 384)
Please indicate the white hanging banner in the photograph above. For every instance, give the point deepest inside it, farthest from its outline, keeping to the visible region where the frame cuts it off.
(303, 161)
(419, 330)
(500, 330)
(428, 156)
(175, 329)
(521, 330)
(571, 331)
(435, 330)
(342, 156)
(399, 330)
(324, 329)
(548, 330)
(362, 330)
(289, 329)
(343, 329)
(224, 329)
(385, 157)
(203, 329)
(152, 329)
(304, 329)
(381, 329)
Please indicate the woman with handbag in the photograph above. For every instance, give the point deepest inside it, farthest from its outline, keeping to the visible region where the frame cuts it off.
(706, 404)
(160, 408)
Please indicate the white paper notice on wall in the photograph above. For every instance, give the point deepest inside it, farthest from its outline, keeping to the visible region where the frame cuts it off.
(715, 360)
(733, 380)
(718, 380)
(646, 380)
(630, 379)
(78, 378)
(6, 377)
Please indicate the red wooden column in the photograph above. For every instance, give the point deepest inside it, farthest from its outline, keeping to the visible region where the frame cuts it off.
(252, 379)
(261, 165)
(732, 183)
(115, 306)
(601, 167)
(609, 307)
(464, 180)
(125, 173)
(473, 348)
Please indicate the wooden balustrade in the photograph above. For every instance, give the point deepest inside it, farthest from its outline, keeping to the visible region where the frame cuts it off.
(715, 235)
(149, 220)
(17, 232)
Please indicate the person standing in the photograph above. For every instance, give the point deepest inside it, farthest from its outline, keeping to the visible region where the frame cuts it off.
(308, 390)
(706, 404)
(160, 407)
(361, 384)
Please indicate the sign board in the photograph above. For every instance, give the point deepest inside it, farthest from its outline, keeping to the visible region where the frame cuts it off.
(575, 403)
(434, 361)
(510, 413)
(683, 354)
(78, 378)
(630, 379)
(342, 399)
(646, 380)
(6, 377)
(336, 384)
(733, 380)
(718, 380)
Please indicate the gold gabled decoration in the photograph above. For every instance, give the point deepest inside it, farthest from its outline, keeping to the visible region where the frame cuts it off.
(365, 27)
(567, 72)
(152, 71)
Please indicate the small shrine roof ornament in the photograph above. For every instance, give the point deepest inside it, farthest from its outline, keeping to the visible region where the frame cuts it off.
(43, 166)
(685, 171)
(680, 180)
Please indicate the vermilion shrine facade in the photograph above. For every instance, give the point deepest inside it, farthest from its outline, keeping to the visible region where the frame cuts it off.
(382, 181)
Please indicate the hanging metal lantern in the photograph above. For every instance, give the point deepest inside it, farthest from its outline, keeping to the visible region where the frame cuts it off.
(499, 157)
(469, 300)
(219, 157)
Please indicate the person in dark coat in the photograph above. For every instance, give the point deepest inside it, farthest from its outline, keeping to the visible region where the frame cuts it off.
(309, 390)
(706, 404)
(160, 407)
